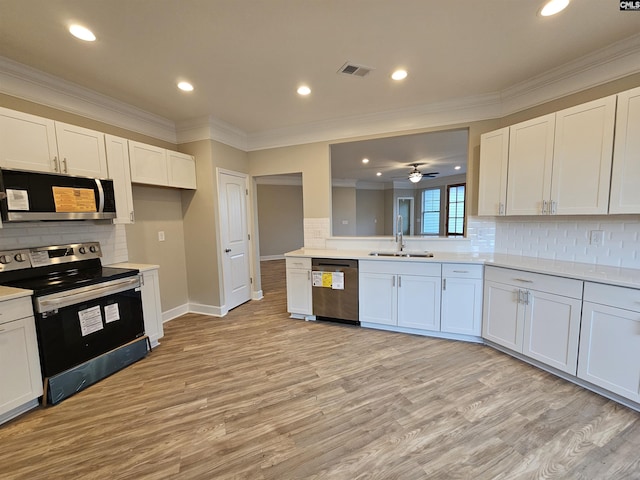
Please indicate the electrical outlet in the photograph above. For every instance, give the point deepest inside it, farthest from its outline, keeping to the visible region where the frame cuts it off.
(161, 236)
(596, 238)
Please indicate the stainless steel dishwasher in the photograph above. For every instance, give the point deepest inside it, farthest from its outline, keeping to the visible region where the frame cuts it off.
(335, 289)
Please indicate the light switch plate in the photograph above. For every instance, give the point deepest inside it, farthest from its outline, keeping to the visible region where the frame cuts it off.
(161, 236)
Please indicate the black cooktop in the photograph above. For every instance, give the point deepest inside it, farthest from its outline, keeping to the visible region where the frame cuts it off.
(54, 279)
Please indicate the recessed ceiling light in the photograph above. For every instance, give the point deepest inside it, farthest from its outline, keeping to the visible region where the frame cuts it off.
(304, 90)
(365, 160)
(378, 174)
(82, 33)
(399, 75)
(457, 167)
(185, 86)
(553, 6)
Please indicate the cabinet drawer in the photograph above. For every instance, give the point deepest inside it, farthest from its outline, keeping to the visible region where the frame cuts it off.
(401, 267)
(461, 270)
(567, 287)
(15, 309)
(620, 297)
(298, 262)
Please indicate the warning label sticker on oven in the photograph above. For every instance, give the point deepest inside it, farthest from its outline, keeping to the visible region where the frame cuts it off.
(90, 320)
(17, 199)
(68, 199)
(111, 313)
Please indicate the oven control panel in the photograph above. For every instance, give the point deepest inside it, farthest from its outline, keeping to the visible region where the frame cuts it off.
(42, 256)
(14, 260)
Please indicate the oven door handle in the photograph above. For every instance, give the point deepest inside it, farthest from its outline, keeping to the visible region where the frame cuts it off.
(47, 303)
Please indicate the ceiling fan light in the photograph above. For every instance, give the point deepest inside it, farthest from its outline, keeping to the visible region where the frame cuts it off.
(415, 177)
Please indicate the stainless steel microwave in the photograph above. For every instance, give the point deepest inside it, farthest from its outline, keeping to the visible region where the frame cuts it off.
(29, 196)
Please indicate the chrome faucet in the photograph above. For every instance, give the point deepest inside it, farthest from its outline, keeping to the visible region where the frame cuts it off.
(399, 235)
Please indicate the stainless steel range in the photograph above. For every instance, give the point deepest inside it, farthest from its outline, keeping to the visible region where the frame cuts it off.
(88, 317)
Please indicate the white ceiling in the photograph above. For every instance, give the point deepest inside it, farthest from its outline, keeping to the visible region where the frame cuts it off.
(247, 57)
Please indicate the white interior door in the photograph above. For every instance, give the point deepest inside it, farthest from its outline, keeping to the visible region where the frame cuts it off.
(232, 193)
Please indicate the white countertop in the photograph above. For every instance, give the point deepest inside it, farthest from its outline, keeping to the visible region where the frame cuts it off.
(143, 267)
(10, 293)
(624, 277)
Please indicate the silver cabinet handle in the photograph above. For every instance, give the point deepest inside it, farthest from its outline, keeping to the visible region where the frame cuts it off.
(527, 297)
(544, 207)
(444, 284)
(523, 280)
(399, 281)
(56, 167)
(64, 163)
(308, 274)
(553, 207)
(501, 209)
(461, 271)
(393, 281)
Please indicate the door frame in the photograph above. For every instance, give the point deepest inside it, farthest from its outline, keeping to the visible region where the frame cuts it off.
(222, 275)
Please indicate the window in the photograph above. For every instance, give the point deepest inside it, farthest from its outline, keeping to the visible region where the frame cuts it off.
(455, 210)
(431, 211)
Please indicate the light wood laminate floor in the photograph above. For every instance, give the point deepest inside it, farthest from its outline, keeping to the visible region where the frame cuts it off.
(256, 395)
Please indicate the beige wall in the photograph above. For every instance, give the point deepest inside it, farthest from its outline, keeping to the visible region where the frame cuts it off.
(159, 209)
(369, 212)
(343, 210)
(200, 210)
(312, 160)
(280, 219)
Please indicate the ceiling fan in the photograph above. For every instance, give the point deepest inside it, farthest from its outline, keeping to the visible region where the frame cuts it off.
(416, 175)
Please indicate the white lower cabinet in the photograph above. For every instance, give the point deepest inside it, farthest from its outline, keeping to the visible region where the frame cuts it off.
(610, 339)
(533, 314)
(461, 310)
(298, 273)
(151, 306)
(20, 375)
(400, 294)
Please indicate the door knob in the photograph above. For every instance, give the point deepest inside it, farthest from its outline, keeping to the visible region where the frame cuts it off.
(227, 250)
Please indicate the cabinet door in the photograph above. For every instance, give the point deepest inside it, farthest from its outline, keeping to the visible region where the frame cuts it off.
(625, 174)
(494, 157)
(81, 151)
(151, 306)
(502, 319)
(610, 349)
(27, 142)
(461, 306)
(181, 170)
(419, 302)
(299, 291)
(582, 152)
(378, 298)
(148, 164)
(118, 163)
(552, 329)
(530, 162)
(19, 364)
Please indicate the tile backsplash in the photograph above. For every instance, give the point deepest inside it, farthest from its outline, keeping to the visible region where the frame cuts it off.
(568, 238)
(112, 238)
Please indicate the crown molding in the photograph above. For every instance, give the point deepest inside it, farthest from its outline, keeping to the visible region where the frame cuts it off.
(610, 63)
(211, 128)
(451, 112)
(27, 83)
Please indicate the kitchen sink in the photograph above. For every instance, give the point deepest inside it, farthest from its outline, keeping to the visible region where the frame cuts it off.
(402, 254)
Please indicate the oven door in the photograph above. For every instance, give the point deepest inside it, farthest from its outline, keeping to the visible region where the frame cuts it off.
(78, 325)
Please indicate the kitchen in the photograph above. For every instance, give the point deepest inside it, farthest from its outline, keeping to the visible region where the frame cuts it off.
(187, 258)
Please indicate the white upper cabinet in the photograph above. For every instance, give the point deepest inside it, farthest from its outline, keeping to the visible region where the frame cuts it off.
(81, 151)
(27, 142)
(157, 166)
(118, 162)
(148, 164)
(181, 170)
(530, 163)
(582, 154)
(625, 174)
(494, 157)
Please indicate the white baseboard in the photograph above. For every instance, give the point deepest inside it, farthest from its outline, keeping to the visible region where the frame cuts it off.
(257, 295)
(175, 312)
(211, 310)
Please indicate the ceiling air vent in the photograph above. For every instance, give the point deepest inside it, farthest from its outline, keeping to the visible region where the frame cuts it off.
(355, 70)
